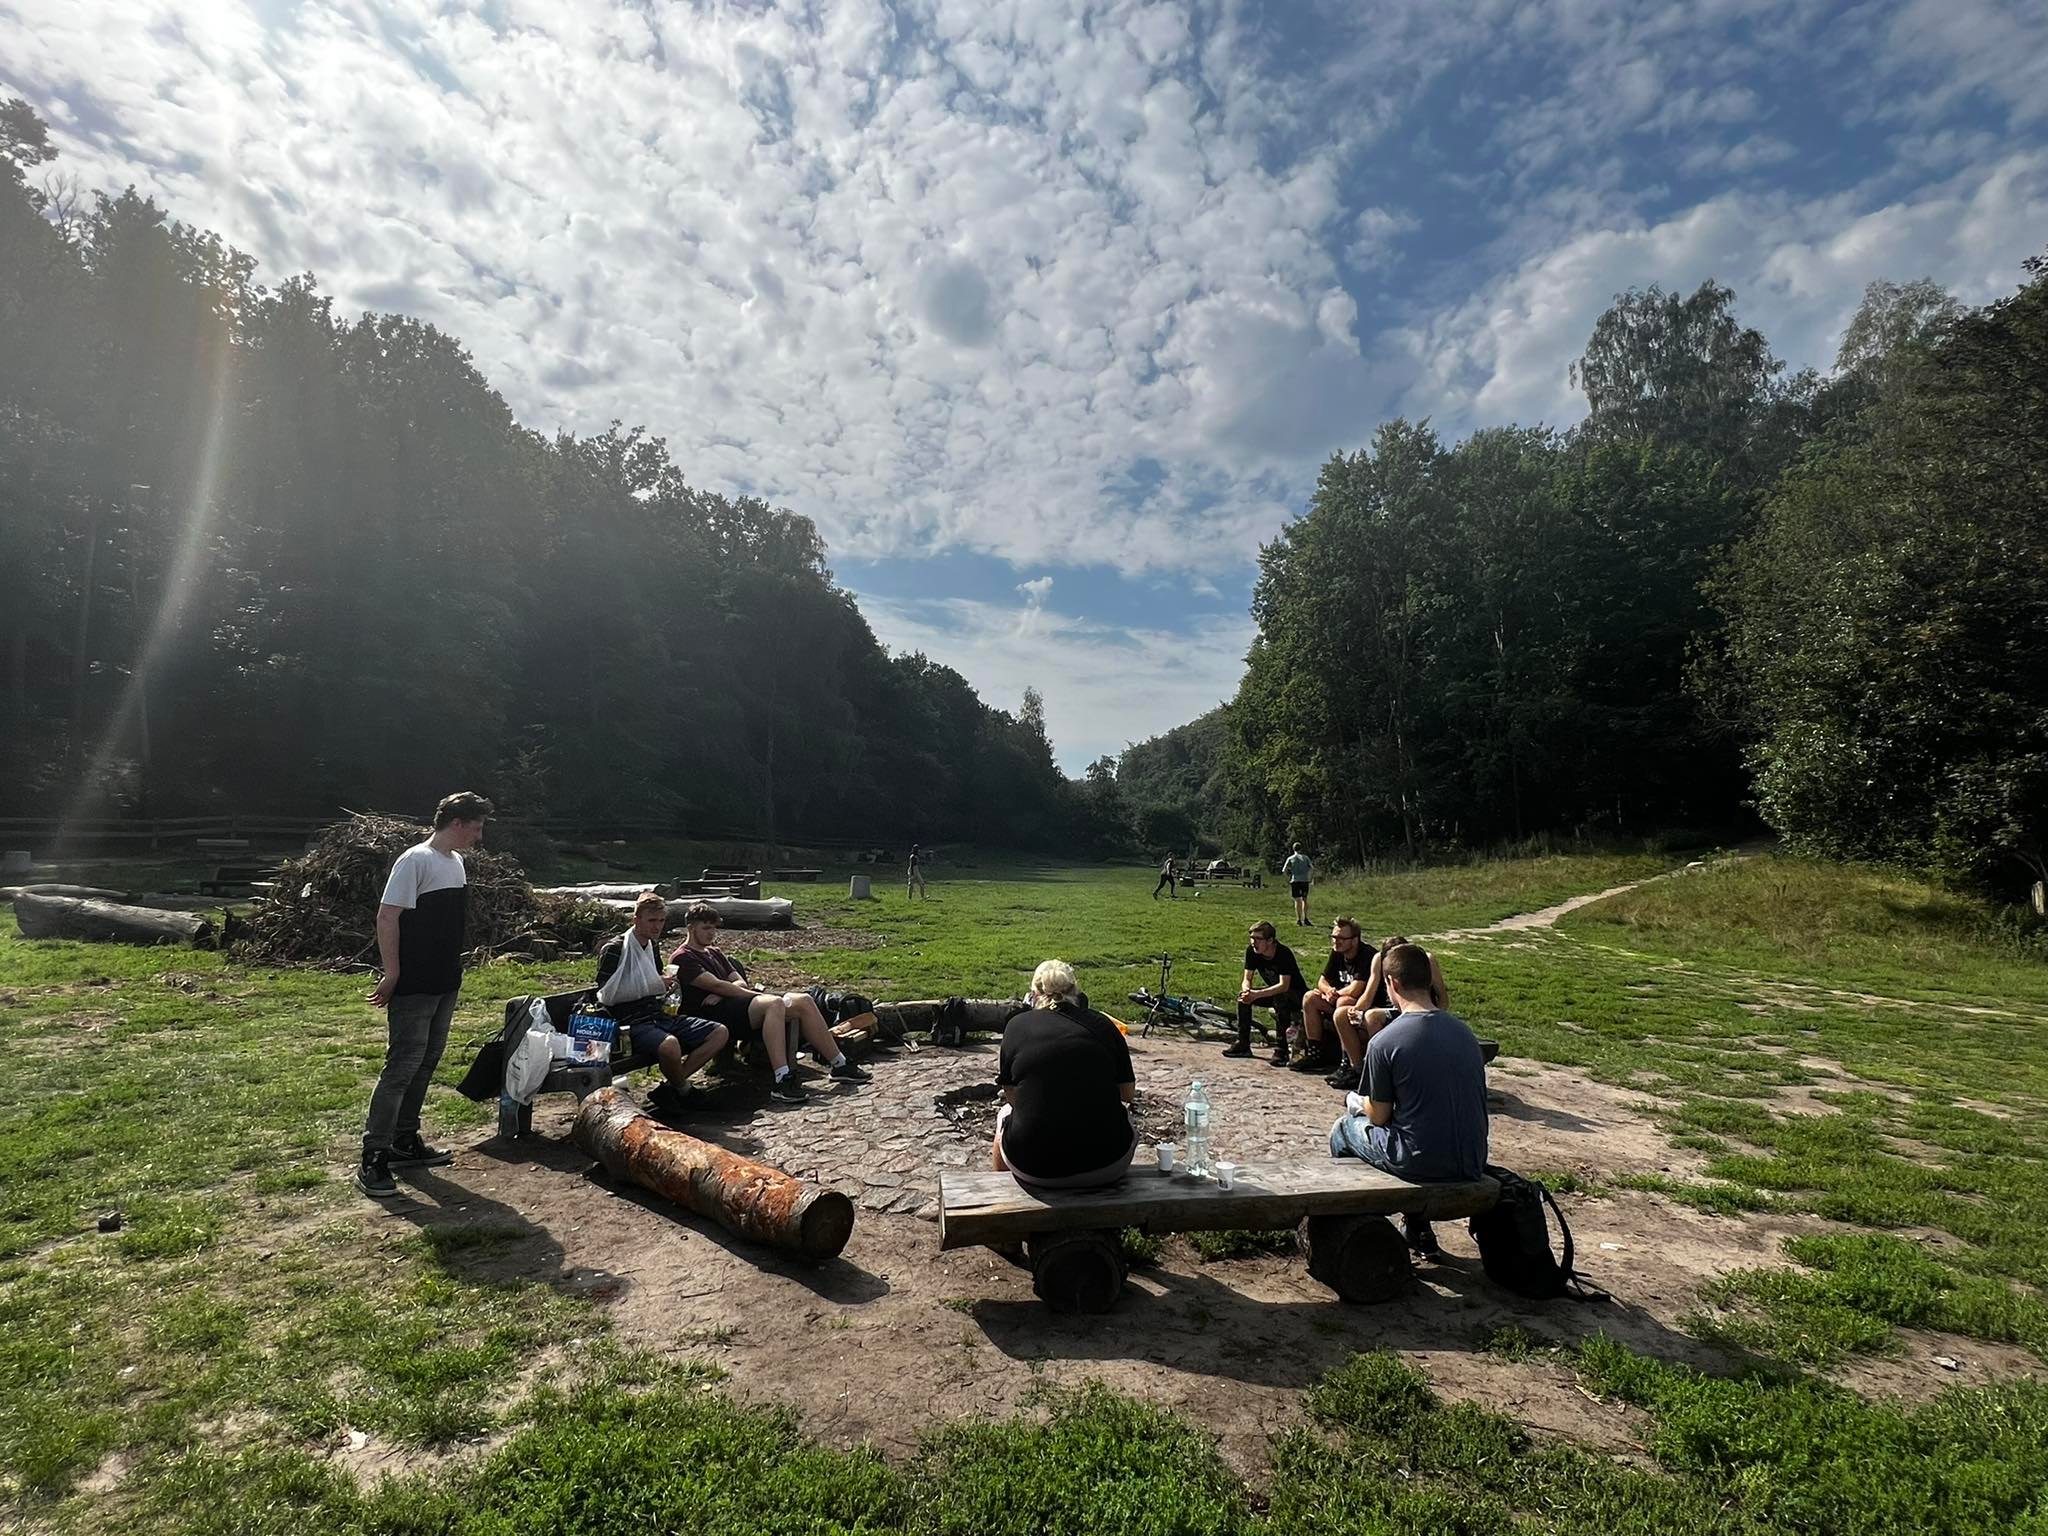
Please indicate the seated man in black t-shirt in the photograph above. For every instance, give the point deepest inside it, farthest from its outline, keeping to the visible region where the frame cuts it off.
(1272, 979)
(1066, 1079)
(1334, 996)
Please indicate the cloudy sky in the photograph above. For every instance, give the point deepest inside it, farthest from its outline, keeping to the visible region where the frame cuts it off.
(1047, 312)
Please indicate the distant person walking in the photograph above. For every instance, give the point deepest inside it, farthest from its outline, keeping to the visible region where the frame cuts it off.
(1299, 870)
(1168, 880)
(914, 877)
(420, 929)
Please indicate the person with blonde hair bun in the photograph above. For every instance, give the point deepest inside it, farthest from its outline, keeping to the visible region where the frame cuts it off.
(1067, 1085)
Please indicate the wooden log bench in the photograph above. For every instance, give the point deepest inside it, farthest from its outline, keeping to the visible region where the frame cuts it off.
(1070, 1237)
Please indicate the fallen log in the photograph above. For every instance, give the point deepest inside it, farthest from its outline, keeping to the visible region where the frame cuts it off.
(733, 911)
(67, 917)
(45, 888)
(738, 912)
(751, 1199)
(599, 890)
(895, 1020)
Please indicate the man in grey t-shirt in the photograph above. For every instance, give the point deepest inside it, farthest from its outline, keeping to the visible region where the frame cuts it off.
(1298, 870)
(1423, 1114)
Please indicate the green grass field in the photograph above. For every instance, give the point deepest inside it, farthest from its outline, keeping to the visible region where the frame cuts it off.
(182, 1373)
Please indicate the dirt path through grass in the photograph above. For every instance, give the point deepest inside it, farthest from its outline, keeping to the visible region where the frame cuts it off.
(1547, 917)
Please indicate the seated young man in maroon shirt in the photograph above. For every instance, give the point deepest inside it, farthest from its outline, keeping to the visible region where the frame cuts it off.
(714, 986)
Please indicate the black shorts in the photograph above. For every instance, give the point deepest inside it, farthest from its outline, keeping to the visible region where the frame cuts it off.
(689, 1033)
(729, 1011)
(1300, 889)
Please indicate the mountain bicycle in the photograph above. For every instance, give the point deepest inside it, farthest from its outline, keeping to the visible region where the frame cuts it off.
(1165, 1010)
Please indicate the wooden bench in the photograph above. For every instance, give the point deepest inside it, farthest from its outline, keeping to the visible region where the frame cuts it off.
(1071, 1236)
(229, 878)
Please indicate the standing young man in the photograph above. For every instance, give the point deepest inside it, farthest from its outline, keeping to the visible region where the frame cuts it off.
(420, 930)
(1168, 879)
(1272, 979)
(1298, 870)
(914, 878)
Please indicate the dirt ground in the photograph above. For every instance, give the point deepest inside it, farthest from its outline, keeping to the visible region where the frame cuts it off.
(895, 1336)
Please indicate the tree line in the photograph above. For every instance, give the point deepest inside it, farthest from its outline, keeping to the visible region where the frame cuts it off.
(1817, 600)
(255, 556)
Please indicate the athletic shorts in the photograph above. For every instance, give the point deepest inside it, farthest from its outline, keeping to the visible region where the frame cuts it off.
(1300, 889)
(729, 1011)
(689, 1033)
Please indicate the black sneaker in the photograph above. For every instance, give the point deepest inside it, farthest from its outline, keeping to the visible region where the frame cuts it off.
(1238, 1050)
(667, 1099)
(787, 1090)
(416, 1153)
(1278, 1058)
(1346, 1076)
(1421, 1238)
(847, 1072)
(374, 1176)
(1310, 1061)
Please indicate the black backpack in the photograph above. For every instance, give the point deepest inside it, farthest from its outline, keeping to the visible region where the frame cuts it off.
(1514, 1243)
(949, 1024)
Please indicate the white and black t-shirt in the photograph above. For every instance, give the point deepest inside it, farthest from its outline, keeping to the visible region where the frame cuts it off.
(430, 887)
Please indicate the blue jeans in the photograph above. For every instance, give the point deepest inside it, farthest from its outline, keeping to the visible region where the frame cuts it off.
(1356, 1136)
(418, 1033)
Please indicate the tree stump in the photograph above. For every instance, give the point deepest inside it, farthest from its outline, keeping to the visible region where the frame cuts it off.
(1077, 1271)
(861, 888)
(1361, 1258)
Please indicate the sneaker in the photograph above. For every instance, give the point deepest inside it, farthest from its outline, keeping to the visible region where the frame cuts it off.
(788, 1091)
(374, 1176)
(847, 1072)
(1421, 1238)
(1278, 1058)
(668, 1099)
(1346, 1076)
(412, 1150)
(1310, 1060)
(1238, 1050)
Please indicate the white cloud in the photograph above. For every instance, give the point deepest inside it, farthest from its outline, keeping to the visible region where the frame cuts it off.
(1798, 269)
(938, 273)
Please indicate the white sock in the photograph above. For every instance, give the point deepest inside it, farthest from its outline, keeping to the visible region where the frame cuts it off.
(781, 1073)
(837, 1061)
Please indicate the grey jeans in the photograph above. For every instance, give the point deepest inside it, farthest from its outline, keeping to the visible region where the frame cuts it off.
(418, 1033)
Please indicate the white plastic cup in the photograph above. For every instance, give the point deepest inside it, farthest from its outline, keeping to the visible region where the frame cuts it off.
(1226, 1175)
(1167, 1152)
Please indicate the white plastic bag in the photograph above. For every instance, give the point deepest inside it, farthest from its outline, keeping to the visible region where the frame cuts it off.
(637, 976)
(526, 1064)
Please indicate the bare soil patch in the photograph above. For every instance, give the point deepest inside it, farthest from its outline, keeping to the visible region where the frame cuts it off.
(896, 1336)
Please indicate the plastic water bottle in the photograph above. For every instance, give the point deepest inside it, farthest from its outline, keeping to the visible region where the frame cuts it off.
(1195, 1126)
